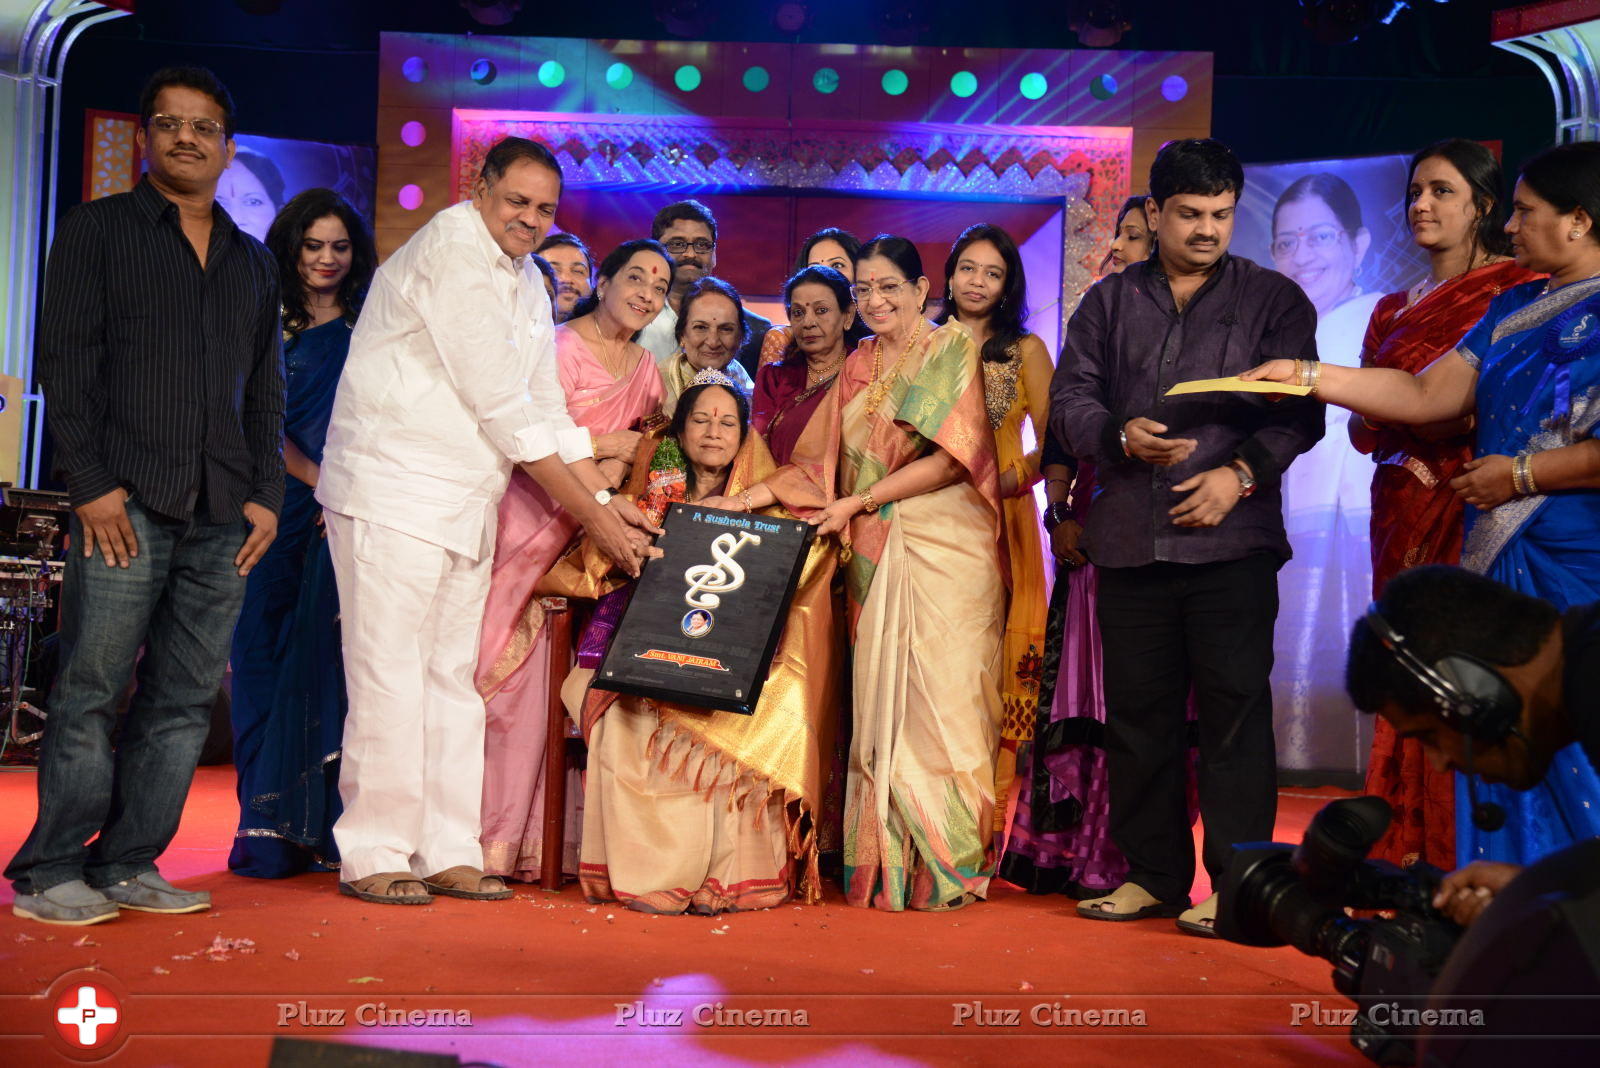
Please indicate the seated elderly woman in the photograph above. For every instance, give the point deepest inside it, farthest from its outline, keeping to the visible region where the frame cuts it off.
(687, 809)
(710, 331)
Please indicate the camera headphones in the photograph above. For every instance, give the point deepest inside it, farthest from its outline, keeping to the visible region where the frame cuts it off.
(1471, 695)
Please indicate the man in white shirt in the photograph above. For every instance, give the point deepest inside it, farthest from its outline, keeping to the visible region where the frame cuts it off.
(451, 380)
(689, 231)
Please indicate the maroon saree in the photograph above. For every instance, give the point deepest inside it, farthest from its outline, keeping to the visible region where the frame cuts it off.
(1416, 520)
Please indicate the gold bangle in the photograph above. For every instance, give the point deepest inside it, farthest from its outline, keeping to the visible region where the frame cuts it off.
(1527, 475)
(1313, 376)
(744, 495)
(868, 502)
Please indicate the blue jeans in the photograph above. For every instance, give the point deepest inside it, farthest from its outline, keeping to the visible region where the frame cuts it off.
(178, 600)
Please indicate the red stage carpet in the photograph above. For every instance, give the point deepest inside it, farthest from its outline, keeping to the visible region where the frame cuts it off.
(545, 978)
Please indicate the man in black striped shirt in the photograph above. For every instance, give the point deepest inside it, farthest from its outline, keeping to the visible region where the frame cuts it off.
(161, 365)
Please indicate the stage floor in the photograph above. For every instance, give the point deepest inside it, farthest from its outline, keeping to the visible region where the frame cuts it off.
(546, 977)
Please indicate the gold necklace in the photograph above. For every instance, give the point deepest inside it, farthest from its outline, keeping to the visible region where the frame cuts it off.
(607, 353)
(813, 376)
(878, 388)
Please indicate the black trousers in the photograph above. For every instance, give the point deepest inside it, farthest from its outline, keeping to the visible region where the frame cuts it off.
(1166, 628)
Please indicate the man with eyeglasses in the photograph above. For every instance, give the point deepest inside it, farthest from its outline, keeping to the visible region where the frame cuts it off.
(689, 231)
(161, 364)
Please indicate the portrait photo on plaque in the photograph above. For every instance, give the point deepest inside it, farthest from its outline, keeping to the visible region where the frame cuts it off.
(706, 616)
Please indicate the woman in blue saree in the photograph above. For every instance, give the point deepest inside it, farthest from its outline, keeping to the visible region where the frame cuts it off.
(288, 676)
(1530, 373)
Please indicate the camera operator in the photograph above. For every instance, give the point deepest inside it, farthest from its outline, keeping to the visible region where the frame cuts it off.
(1493, 683)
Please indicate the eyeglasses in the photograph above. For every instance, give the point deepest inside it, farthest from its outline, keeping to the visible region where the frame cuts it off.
(886, 290)
(678, 246)
(1317, 237)
(209, 129)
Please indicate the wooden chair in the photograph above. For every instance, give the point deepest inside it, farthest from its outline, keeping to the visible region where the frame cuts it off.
(558, 625)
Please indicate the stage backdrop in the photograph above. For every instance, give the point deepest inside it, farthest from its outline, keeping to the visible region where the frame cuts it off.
(1338, 229)
(266, 172)
(781, 138)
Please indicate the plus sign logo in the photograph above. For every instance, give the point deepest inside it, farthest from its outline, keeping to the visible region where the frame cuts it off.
(88, 1015)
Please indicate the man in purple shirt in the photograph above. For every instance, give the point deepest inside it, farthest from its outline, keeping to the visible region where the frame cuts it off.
(1187, 525)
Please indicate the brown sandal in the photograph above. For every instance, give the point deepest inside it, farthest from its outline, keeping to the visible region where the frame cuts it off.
(464, 880)
(1201, 920)
(1123, 908)
(375, 889)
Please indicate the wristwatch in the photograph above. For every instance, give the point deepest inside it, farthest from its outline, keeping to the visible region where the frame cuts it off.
(1247, 481)
(602, 497)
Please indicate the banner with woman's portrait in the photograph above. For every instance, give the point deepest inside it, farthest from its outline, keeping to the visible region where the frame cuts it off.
(1338, 229)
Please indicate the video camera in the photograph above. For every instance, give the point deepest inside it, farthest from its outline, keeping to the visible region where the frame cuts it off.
(1275, 894)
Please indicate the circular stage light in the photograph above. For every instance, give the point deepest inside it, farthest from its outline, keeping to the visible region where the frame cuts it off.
(757, 79)
(687, 78)
(1103, 87)
(791, 17)
(826, 80)
(1174, 88)
(413, 133)
(619, 76)
(414, 69)
(963, 83)
(1033, 85)
(895, 82)
(551, 74)
(410, 197)
(482, 71)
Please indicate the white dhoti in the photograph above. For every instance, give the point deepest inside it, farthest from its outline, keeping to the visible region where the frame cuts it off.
(412, 772)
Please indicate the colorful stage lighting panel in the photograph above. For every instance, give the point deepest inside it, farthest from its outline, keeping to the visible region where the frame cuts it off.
(554, 73)
(962, 84)
(400, 127)
(417, 69)
(1034, 88)
(1172, 89)
(1101, 86)
(755, 80)
(622, 79)
(488, 72)
(688, 78)
(828, 82)
(904, 69)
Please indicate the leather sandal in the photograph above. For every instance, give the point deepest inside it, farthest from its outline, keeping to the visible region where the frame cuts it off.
(1200, 920)
(464, 880)
(1124, 905)
(375, 889)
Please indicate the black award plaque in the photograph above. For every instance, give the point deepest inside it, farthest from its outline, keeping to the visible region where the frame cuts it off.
(706, 617)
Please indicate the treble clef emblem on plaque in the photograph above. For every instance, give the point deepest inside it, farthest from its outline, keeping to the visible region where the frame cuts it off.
(706, 581)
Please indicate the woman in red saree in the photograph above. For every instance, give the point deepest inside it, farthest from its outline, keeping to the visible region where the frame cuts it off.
(1455, 216)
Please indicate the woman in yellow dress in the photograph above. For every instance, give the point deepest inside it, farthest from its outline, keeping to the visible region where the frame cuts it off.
(986, 291)
(899, 461)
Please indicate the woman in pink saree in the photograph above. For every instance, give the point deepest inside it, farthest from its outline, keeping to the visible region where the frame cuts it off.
(613, 390)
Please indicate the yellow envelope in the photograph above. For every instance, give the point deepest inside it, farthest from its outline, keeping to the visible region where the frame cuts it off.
(1236, 385)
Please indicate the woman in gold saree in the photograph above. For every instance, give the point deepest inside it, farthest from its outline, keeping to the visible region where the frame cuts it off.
(687, 809)
(900, 460)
